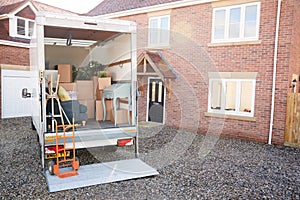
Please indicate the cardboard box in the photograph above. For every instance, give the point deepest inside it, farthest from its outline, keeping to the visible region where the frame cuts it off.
(122, 116)
(90, 104)
(99, 109)
(68, 86)
(95, 83)
(65, 72)
(99, 94)
(104, 83)
(84, 89)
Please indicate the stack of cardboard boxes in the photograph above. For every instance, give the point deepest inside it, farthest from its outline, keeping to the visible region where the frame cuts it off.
(89, 93)
(82, 90)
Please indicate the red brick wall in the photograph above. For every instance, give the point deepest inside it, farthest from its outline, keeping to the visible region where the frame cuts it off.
(193, 58)
(26, 13)
(142, 100)
(288, 62)
(294, 64)
(14, 55)
(4, 30)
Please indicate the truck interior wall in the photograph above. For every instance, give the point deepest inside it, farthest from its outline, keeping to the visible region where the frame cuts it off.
(113, 51)
(77, 56)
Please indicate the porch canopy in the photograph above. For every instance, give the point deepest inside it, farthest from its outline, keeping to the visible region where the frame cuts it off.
(154, 64)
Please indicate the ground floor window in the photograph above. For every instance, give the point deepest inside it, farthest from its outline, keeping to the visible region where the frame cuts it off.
(231, 95)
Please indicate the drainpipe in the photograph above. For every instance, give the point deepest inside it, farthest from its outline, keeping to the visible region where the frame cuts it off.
(274, 71)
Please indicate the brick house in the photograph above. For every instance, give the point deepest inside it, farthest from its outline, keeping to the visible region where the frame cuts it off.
(16, 23)
(234, 65)
(220, 67)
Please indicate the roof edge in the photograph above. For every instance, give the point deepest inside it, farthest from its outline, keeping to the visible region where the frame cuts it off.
(154, 8)
(22, 6)
(4, 16)
(14, 44)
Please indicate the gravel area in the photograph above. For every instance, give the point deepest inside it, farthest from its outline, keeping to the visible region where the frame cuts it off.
(191, 167)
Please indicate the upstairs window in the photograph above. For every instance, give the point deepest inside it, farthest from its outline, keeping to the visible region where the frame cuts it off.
(21, 27)
(236, 23)
(231, 96)
(159, 31)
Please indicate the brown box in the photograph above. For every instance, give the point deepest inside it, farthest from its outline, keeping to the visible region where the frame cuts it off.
(99, 109)
(104, 82)
(122, 116)
(90, 104)
(68, 86)
(65, 72)
(84, 89)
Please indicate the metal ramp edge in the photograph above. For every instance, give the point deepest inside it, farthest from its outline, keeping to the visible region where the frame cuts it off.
(101, 173)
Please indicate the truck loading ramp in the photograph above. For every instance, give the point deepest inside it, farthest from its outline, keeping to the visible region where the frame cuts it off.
(101, 173)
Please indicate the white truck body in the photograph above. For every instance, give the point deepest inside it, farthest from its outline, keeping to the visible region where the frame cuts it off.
(103, 40)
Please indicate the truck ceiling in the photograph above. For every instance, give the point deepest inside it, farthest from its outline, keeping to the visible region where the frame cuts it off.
(78, 34)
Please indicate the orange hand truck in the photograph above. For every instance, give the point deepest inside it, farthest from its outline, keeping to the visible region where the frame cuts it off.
(64, 161)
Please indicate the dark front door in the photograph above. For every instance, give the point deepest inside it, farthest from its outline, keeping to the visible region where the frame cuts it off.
(156, 100)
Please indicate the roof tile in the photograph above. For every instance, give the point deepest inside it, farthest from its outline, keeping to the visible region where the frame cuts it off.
(8, 6)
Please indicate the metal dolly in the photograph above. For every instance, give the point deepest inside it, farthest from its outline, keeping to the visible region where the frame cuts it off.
(63, 161)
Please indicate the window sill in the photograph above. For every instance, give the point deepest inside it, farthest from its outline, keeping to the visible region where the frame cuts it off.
(158, 47)
(220, 44)
(237, 117)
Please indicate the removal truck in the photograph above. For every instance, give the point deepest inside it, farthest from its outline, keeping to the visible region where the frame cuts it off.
(86, 79)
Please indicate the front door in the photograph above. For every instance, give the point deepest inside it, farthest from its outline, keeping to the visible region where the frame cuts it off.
(156, 100)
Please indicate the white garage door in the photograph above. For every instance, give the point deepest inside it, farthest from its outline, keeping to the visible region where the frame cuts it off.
(13, 105)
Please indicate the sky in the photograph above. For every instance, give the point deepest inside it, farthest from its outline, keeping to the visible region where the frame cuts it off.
(78, 6)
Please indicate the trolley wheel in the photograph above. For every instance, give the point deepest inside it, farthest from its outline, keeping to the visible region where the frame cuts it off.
(51, 164)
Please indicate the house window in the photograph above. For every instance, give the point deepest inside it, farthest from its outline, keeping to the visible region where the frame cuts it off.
(231, 96)
(236, 23)
(159, 31)
(21, 27)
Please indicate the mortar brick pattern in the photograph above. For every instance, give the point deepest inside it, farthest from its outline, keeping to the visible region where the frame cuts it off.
(26, 13)
(14, 55)
(192, 59)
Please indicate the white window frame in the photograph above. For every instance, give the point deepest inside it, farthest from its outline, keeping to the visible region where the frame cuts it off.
(159, 44)
(241, 37)
(13, 27)
(222, 110)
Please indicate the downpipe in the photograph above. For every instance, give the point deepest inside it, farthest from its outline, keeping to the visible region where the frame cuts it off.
(274, 72)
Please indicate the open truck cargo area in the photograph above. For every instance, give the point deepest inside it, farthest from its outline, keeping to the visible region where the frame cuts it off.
(85, 76)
